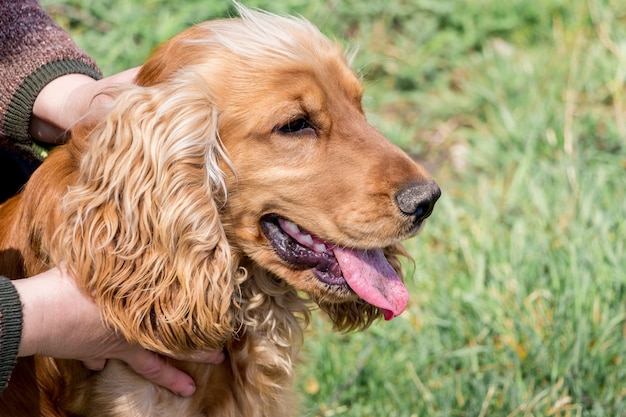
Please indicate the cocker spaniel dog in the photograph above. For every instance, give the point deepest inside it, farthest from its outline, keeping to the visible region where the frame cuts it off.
(234, 188)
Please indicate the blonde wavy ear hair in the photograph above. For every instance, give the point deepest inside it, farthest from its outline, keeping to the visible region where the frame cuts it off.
(141, 231)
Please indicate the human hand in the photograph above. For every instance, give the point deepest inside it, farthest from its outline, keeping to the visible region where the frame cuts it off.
(62, 322)
(68, 99)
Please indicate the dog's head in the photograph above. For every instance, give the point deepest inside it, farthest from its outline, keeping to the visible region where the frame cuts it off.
(246, 138)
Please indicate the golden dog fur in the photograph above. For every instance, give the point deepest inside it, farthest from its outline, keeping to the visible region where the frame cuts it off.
(158, 212)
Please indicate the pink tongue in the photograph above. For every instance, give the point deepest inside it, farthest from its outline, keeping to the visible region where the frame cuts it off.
(369, 275)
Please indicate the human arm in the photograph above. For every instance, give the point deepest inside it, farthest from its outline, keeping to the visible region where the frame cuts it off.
(48, 82)
(68, 99)
(60, 321)
(33, 52)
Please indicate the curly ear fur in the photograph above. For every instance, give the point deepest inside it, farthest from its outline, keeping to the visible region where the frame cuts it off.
(141, 227)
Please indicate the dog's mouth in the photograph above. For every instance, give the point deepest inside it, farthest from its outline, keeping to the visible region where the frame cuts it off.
(365, 272)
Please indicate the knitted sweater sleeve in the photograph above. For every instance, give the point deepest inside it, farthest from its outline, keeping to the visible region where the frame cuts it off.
(33, 52)
(10, 329)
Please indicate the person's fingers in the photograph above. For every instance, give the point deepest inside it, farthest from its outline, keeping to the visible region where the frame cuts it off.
(70, 98)
(153, 368)
(95, 364)
(46, 132)
(215, 357)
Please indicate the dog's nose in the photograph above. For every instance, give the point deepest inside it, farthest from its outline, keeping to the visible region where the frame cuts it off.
(418, 199)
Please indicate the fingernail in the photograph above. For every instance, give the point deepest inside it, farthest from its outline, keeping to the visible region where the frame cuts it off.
(188, 390)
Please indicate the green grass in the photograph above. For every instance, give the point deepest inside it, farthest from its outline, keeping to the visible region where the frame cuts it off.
(518, 294)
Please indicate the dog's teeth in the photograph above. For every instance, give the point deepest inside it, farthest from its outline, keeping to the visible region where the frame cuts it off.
(291, 227)
(320, 248)
(304, 238)
(307, 240)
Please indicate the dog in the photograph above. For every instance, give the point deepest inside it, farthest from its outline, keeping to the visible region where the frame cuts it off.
(235, 188)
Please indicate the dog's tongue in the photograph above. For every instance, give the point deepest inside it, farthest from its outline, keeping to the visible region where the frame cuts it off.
(369, 275)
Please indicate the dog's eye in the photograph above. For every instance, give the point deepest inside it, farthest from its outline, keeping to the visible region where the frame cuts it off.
(295, 126)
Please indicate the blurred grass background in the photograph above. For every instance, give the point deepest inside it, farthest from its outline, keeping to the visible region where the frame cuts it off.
(518, 108)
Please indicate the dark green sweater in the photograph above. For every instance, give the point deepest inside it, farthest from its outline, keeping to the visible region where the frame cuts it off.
(10, 329)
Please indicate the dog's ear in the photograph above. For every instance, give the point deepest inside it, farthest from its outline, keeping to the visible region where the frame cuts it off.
(359, 314)
(141, 230)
